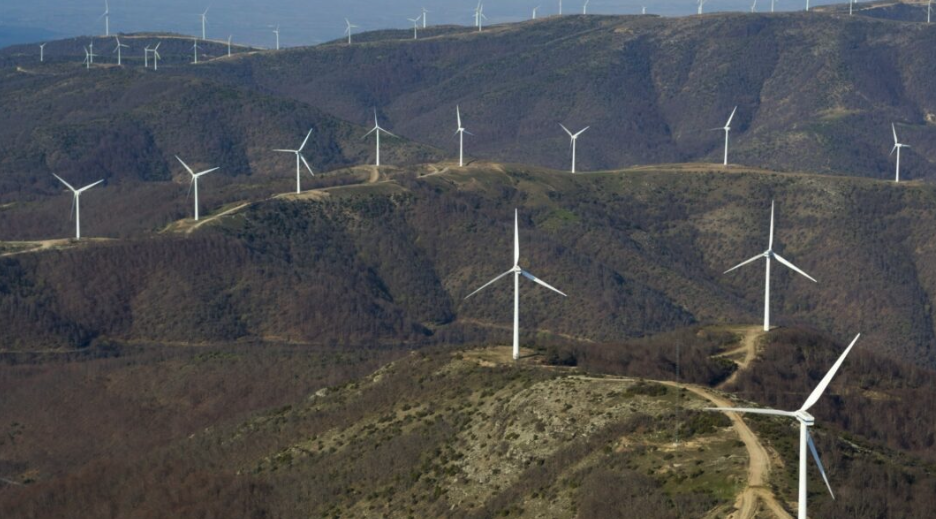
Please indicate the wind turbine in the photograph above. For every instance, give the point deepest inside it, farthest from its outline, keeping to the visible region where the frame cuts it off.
(276, 32)
(479, 16)
(156, 56)
(299, 161)
(42, 52)
(768, 255)
(231, 37)
(204, 23)
(146, 53)
(76, 202)
(535, 9)
(377, 129)
(517, 272)
(929, 11)
(574, 138)
(106, 17)
(560, 7)
(851, 11)
(118, 51)
(727, 130)
(348, 30)
(643, 10)
(754, 7)
(701, 3)
(461, 131)
(424, 13)
(194, 182)
(89, 57)
(195, 47)
(585, 7)
(91, 53)
(415, 26)
(897, 147)
(806, 421)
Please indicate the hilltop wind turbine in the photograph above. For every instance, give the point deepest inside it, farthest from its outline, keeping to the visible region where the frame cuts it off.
(42, 52)
(276, 32)
(574, 138)
(424, 13)
(897, 147)
(194, 182)
(415, 26)
(461, 131)
(348, 30)
(89, 57)
(517, 272)
(535, 9)
(806, 421)
(76, 202)
(851, 9)
(204, 23)
(701, 3)
(727, 130)
(377, 129)
(300, 159)
(91, 53)
(643, 10)
(768, 255)
(230, 37)
(106, 17)
(479, 16)
(754, 7)
(585, 7)
(560, 7)
(156, 56)
(195, 48)
(117, 50)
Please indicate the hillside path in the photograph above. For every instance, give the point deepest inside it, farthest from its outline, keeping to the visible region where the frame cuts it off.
(747, 351)
(214, 217)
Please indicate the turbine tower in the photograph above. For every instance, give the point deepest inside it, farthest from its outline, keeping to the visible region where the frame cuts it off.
(106, 17)
(461, 131)
(230, 37)
(897, 147)
(574, 138)
(585, 7)
(806, 421)
(118, 51)
(701, 3)
(76, 202)
(377, 129)
(300, 159)
(517, 272)
(42, 52)
(348, 30)
(156, 56)
(479, 16)
(204, 23)
(424, 13)
(768, 255)
(560, 7)
(727, 130)
(194, 182)
(535, 9)
(276, 32)
(195, 48)
(415, 27)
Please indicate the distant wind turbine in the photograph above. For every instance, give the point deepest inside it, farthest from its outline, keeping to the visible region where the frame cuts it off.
(415, 27)
(300, 159)
(231, 37)
(377, 129)
(156, 56)
(897, 147)
(461, 131)
(585, 7)
(204, 23)
(806, 421)
(754, 7)
(106, 17)
(146, 53)
(42, 52)
(643, 10)
(535, 9)
(118, 51)
(560, 7)
(574, 141)
(701, 3)
(277, 33)
(76, 202)
(424, 13)
(91, 54)
(727, 130)
(479, 16)
(348, 30)
(851, 9)
(195, 48)
(89, 57)
(194, 181)
(517, 272)
(768, 255)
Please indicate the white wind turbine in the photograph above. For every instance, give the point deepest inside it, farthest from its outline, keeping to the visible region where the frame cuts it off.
(806, 421)
(574, 141)
(106, 17)
(91, 54)
(424, 13)
(42, 52)
(377, 129)
(517, 272)
(479, 16)
(204, 23)
(560, 7)
(89, 57)
(156, 56)
(146, 53)
(300, 159)
(118, 51)
(754, 7)
(768, 255)
(851, 9)
(461, 131)
(897, 147)
(701, 3)
(277, 33)
(76, 202)
(230, 37)
(194, 182)
(195, 48)
(415, 27)
(585, 7)
(535, 9)
(727, 130)
(348, 30)
(643, 10)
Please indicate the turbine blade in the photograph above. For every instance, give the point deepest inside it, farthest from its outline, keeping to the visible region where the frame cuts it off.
(794, 267)
(203, 173)
(516, 237)
(749, 410)
(390, 134)
(63, 181)
(82, 190)
(287, 151)
(306, 141)
(894, 128)
(755, 258)
(772, 207)
(814, 397)
(815, 455)
(732, 117)
(489, 283)
(370, 132)
(583, 131)
(566, 129)
(185, 166)
(537, 280)
(308, 167)
(71, 213)
(458, 111)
